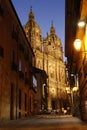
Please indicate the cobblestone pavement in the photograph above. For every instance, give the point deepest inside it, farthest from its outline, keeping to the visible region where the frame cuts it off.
(44, 122)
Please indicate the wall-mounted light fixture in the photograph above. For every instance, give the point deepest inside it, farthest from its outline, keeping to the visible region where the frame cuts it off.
(78, 44)
(81, 23)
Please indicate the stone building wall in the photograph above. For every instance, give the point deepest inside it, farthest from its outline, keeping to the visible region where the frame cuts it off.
(16, 63)
(49, 57)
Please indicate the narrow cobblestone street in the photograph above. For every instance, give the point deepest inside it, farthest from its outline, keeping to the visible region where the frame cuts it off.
(45, 122)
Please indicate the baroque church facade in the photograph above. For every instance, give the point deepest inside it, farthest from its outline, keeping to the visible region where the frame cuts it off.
(48, 57)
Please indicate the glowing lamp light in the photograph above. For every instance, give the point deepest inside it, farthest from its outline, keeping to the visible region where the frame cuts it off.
(75, 89)
(77, 44)
(67, 88)
(81, 23)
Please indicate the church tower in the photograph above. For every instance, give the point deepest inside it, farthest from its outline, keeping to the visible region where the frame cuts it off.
(33, 32)
(49, 56)
(55, 68)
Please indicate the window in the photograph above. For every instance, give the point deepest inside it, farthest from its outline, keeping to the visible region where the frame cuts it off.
(13, 63)
(34, 83)
(1, 11)
(53, 38)
(20, 65)
(13, 56)
(19, 98)
(26, 77)
(1, 52)
(26, 72)
(15, 32)
(25, 102)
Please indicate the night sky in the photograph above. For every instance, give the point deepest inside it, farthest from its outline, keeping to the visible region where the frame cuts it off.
(45, 11)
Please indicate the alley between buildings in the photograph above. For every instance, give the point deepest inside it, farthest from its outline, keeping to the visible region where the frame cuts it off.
(47, 122)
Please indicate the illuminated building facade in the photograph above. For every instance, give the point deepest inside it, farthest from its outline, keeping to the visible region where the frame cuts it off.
(76, 11)
(49, 57)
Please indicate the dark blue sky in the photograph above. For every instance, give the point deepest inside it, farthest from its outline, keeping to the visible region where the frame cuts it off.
(45, 11)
